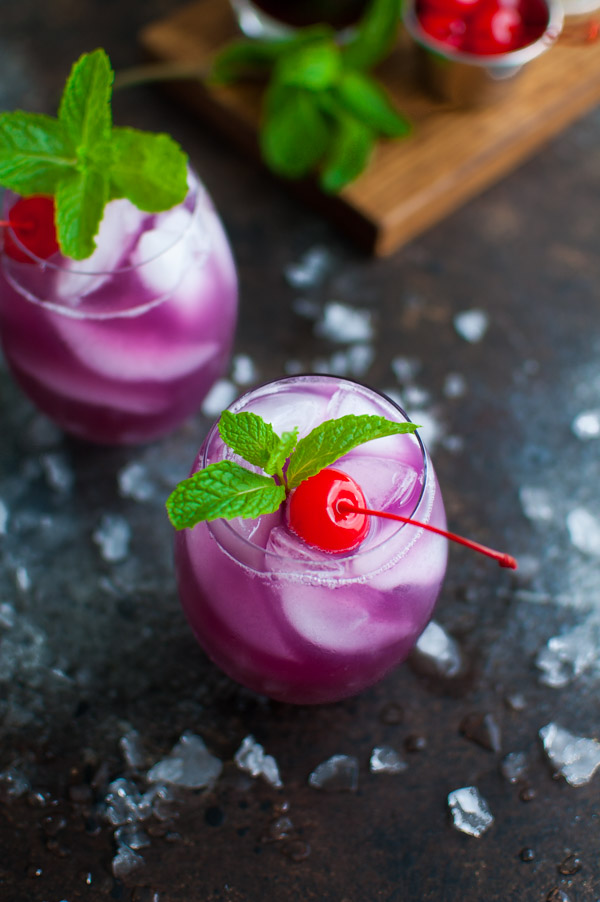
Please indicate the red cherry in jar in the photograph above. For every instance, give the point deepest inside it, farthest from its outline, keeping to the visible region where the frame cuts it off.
(313, 512)
(495, 29)
(446, 28)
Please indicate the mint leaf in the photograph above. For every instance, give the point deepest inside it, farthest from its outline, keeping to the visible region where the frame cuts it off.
(314, 67)
(295, 133)
(85, 105)
(362, 96)
(348, 153)
(223, 489)
(249, 436)
(149, 169)
(80, 200)
(374, 36)
(280, 454)
(242, 56)
(332, 439)
(81, 160)
(35, 153)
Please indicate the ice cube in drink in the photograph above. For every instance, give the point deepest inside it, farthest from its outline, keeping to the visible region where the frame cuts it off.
(123, 346)
(303, 625)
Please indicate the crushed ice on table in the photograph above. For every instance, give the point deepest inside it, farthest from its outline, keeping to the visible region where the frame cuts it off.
(124, 803)
(437, 653)
(455, 385)
(354, 361)
(251, 758)
(415, 396)
(575, 757)
(132, 750)
(13, 784)
(344, 324)
(586, 425)
(453, 443)
(566, 656)
(584, 531)
(536, 503)
(293, 367)
(189, 763)
(134, 482)
(57, 471)
(221, 395)
(3, 518)
(24, 656)
(513, 766)
(405, 369)
(470, 812)
(125, 862)
(132, 836)
(243, 370)
(471, 324)
(112, 537)
(386, 760)
(337, 774)
(311, 268)
(22, 578)
(7, 615)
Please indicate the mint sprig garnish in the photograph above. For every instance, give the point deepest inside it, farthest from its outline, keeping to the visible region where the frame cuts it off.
(224, 490)
(84, 162)
(321, 110)
(228, 490)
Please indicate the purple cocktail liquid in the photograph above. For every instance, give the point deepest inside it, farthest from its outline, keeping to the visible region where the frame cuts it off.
(123, 346)
(299, 13)
(296, 623)
(273, 18)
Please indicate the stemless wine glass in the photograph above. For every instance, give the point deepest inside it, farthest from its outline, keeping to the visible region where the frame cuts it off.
(121, 347)
(303, 625)
(275, 18)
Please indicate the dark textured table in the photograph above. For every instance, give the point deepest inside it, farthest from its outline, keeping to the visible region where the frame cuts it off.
(99, 673)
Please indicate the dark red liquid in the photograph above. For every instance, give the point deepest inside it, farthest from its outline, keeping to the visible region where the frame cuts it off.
(300, 13)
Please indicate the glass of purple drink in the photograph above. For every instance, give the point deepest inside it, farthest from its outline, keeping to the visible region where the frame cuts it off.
(124, 345)
(274, 18)
(294, 622)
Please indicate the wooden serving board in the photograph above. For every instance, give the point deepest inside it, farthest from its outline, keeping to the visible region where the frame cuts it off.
(412, 183)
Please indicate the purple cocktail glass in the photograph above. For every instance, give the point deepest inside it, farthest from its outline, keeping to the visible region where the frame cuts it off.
(121, 347)
(303, 625)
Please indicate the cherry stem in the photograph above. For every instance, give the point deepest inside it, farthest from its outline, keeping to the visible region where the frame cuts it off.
(504, 560)
(9, 223)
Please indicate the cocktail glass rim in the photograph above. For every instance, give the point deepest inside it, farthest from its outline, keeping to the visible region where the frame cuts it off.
(66, 265)
(227, 536)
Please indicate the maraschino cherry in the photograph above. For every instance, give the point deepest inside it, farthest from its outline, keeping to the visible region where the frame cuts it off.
(313, 512)
(329, 512)
(32, 221)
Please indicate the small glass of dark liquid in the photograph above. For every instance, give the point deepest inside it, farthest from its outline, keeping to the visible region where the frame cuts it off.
(275, 18)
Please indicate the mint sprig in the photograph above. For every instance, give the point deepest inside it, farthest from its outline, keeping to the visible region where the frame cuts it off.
(321, 110)
(84, 162)
(228, 490)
